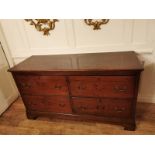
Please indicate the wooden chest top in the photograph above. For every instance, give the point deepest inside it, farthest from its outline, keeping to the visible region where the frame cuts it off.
(111, 61)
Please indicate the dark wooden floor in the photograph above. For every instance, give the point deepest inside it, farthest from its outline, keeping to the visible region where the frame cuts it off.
(14, 121)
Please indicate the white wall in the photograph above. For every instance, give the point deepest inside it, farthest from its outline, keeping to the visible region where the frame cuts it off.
(74, 36)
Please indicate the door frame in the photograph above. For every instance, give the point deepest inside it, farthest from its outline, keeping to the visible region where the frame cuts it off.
(5, 47)
(7, 54)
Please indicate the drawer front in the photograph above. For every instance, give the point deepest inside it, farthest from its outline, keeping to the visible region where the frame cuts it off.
(42, 85)
(102, 106)
(102, 86)
(56, 104)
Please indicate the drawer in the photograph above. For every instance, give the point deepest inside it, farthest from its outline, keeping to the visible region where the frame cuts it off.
(56, 104)
(102, 106)
(102, 86)
(42, 85)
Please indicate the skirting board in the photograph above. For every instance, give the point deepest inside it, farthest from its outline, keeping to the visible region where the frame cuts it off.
(147, 99)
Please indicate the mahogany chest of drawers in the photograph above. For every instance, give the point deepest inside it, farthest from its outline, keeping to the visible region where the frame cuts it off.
(93, 86)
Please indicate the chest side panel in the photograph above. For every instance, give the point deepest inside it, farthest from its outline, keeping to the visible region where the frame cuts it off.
(103, 106)
(102, 86)
(41, 85)
(56, 104)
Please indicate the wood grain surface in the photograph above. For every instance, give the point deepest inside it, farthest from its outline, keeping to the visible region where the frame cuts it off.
(120, 72)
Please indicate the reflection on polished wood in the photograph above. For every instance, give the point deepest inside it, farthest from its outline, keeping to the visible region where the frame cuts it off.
(14, 121)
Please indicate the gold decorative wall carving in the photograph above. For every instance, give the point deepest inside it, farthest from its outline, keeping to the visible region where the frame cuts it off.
(43, 25)
(96, 23)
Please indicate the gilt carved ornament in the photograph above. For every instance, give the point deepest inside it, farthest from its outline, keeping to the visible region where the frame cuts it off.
(43, 25)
